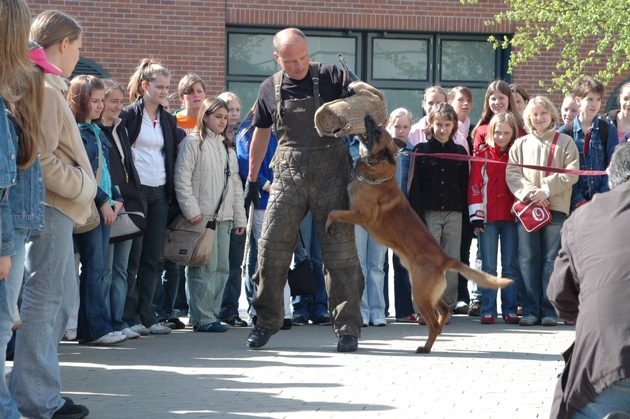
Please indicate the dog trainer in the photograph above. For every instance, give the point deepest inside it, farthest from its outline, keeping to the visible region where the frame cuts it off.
(310, 172)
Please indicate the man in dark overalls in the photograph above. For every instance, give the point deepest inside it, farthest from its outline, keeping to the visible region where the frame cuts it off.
(310, 172)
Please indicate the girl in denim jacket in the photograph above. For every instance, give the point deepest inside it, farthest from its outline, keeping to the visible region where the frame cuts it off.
(22, 208)
(85, 98)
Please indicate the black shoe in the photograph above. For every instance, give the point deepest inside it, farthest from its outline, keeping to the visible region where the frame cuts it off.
(259, 337)
(299, 320)
(236, 322)
(286, 324)
(347, 343)
(69, 410)
(176, 323)
(323, 320)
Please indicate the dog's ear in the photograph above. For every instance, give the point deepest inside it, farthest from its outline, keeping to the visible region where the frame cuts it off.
(370, 124)
(389, 156)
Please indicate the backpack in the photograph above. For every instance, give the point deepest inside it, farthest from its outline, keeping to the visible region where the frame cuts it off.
(602, 125)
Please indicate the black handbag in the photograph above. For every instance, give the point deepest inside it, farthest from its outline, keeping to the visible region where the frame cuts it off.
(301, 280)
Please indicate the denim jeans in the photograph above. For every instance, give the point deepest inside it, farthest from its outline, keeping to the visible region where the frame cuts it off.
(115, 282)
(49, 291)
(205, 284)
(315, 305)
(615, 398)
(165, 296)
(371, 256)
(496, 232)
(94, 320)
(252, 258)
(172, 276)
(537, 254)
(9, 292)
(144, 270)
(232, 292)
(446, 227)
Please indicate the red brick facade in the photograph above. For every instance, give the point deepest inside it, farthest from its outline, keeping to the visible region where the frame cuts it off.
(190, 35)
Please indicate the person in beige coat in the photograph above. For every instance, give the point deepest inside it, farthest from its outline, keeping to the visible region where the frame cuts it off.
(538, 249)
(50, 287)
(204, 188)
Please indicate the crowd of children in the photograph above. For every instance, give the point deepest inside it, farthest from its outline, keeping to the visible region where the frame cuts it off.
(68, 174)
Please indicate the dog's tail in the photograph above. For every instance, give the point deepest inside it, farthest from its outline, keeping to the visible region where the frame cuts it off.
(482, 279)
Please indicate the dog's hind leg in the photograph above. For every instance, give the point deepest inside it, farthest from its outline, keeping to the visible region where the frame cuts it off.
(427, 290)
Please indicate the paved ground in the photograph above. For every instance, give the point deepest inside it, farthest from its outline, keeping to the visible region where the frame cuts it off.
(481, 371)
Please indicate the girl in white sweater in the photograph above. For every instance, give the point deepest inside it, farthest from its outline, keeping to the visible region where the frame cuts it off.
(205, 189)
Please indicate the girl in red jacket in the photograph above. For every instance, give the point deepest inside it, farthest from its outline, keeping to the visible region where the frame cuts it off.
(490, 208)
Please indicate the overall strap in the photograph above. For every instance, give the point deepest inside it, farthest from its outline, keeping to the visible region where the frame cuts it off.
(277, 87)
(314, 70)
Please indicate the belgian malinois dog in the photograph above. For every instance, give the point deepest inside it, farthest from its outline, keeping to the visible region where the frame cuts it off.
(378, 205)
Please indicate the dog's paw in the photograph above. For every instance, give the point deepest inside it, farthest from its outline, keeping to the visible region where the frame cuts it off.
(423, 350)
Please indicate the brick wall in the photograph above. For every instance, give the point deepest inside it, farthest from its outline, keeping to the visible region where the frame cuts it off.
(189, 35)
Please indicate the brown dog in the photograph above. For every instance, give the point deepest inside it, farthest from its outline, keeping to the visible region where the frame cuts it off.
(379, 206)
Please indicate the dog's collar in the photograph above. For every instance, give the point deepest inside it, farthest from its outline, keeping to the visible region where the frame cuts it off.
(373, 182)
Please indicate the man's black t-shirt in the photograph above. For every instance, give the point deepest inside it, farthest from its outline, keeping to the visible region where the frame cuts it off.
(330, 88)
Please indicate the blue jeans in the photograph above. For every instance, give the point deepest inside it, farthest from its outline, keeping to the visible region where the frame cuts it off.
(232, 292)
(537, 254)
(496, 232)
(372, 257)
(205, 284)
(115, 282)
(144, 270)
(615, 398)
(172, 276)
(94, 320)
(315, 305)
(9, 292)
(49, 292)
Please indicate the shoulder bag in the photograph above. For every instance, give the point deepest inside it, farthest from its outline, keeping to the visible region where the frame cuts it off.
(191, 244)
(533, 216)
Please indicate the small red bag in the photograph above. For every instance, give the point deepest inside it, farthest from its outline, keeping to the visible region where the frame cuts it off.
(532, 216)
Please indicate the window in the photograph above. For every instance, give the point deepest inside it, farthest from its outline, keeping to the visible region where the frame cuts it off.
(401, 65)
(89, 67)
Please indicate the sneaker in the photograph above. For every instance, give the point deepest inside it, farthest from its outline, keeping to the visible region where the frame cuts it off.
(158, 329)
(299, 320)
(511, 318)
(69, 410)
(379, 322)
(214, 327)
(365, 323)
(167, 323)
(409, 319)
(130, 333)
(286, 324)
(323, 320)
(109, 339)
(70, 335)
(140, 329)
(237, 322)
(461, 308)
(529, 320)
(421, 321)
(474, 310)
(487, 319)
(176, 323)
(549, 321)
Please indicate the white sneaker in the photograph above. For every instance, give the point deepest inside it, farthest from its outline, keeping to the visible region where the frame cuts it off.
(130, 333)
(158, 329)
(140, 329)
(70, 334)
(109, 339)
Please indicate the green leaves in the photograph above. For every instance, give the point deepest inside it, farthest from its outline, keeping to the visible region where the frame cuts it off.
(591, 36)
